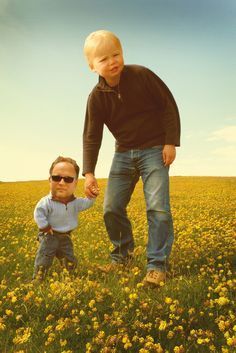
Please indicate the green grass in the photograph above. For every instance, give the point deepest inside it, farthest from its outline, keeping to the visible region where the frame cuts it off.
(114, 313)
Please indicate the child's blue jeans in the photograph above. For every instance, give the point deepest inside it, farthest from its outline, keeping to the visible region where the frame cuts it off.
(54, 245)
(125, 171)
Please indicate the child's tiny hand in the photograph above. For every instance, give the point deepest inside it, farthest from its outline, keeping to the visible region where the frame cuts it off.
(50, 231)
(95, 190)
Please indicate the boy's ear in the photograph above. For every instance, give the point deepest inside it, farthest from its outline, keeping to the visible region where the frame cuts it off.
(91, 66)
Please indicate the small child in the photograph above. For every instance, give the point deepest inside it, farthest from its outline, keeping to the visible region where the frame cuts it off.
(57, 215)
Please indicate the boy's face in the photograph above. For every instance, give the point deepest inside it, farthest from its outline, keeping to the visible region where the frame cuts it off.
(108, 62)
(61, 190)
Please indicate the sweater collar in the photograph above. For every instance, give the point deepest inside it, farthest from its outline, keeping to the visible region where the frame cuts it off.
(104, 86)
(71, 198)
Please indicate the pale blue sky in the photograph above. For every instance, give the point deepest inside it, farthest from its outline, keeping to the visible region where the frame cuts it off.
(45, 81)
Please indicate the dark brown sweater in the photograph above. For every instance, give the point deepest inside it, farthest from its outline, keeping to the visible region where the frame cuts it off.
(140, 113)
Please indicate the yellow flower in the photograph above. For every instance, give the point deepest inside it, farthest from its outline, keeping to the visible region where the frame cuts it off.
(222, 301)
(82, 313)
(49, 317)
(2, 326)
(91, 303)
(14, 299)
(127, 345)
(172, 307)
(170, 334)
(133, 296)
(163, 325)
(51, 338)
(47, 329)
(200, 341)
(168, 300)
(125, 339)
(212, 348)
(9, 312)
(224, 350)
(22, 335)
(221, 325)
(63, 343)
(179, 349)
(140, 285)
(231, 341)
(191, 311)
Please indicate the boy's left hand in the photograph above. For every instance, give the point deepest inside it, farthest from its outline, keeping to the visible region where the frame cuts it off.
(168, 154)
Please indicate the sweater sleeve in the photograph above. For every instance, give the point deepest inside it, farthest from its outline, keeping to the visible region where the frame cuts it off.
(41, 215)
(168, 106)
(92, 135)
(84, 203)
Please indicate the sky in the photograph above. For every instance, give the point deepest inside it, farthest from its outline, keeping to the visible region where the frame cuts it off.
(45, 80)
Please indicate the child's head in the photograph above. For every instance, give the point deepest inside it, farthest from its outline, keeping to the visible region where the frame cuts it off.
(104, 54)
(64, 173)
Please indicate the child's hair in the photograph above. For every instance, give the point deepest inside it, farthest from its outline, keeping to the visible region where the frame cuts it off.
(96, 39)
(65, 159)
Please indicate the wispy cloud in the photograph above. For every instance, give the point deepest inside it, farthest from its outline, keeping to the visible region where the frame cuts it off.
(226, 137)
(227, 151)
(227, 134)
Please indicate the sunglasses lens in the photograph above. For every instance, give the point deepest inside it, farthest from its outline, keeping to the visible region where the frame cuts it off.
(68, 179)
(58, 178)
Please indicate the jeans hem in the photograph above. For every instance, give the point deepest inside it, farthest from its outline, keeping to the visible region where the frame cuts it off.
(156, 268)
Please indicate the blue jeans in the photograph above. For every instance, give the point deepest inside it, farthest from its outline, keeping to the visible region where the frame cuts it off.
(125, 171)
(51, 246)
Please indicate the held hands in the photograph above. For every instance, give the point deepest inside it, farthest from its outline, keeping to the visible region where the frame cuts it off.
(91, 188)
(169, 154)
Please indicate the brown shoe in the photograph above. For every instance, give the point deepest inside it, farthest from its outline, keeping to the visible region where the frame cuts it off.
(155, 277)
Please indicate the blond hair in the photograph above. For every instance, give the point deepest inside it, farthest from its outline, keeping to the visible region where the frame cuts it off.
(97, 39)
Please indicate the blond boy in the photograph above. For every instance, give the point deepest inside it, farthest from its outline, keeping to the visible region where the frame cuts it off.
(141, 113)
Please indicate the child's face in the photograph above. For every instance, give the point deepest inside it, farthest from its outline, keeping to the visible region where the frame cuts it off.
(60, 189)
(108, 62)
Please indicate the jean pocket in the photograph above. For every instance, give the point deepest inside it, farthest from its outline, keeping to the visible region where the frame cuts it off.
(42, 236)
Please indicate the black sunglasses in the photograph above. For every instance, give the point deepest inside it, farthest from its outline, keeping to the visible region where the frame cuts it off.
(66, 179)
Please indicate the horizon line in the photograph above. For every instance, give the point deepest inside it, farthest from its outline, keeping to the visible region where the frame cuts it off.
(99, 178)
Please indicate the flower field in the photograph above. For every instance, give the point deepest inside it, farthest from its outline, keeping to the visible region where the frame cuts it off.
(95, 312)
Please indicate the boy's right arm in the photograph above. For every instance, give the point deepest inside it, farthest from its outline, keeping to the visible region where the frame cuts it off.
(92, 138)
(41, 217)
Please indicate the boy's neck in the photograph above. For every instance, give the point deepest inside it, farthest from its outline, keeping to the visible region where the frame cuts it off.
(114, 82)
(64, 200)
